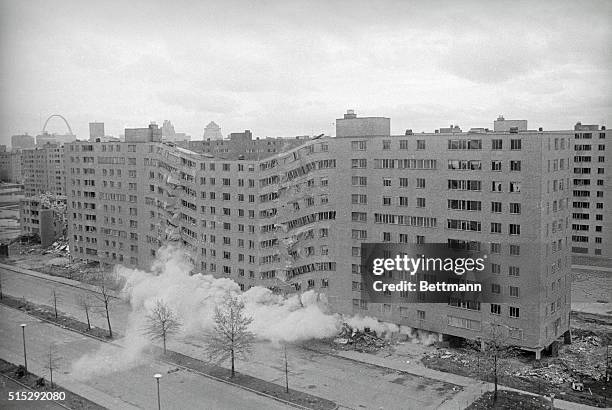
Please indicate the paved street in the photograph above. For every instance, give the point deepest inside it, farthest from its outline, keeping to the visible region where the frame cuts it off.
(348, 383)
(134, 388)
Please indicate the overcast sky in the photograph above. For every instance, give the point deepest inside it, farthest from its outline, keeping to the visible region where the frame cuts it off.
(286, 68)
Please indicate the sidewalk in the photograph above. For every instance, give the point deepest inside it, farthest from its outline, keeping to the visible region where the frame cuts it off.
(472, 388)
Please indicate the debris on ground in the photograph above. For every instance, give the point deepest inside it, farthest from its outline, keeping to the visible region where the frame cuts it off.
(351, 338)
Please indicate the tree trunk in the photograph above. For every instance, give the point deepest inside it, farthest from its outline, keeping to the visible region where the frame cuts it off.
(164, 344)
(232, 375)
(110, 330)
(87, 316)
(495, 378)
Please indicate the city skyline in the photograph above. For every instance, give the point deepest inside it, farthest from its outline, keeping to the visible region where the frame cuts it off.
(287, 69)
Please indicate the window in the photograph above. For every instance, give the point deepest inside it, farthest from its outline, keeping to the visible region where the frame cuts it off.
(515, 208)
(358, 145)
(513, 271)
(495, 268)
(496, 144)
(514, 311)
(495, 288)
(359, 181)
(421, 314)
(496, 227)
(496, 165)
(495, 247)
(515, 250)
(495, 309)
(514, 229)
(420, 202)
(386, 200)
(386, 181)
(420, 183)
(515, 144)
(514, 291)
(420, 144)
(386, 236)
(360, 199)
(496, 207)
(386, 145)
(359, 163)
(515, 187)
(496, 186)
(515, 165)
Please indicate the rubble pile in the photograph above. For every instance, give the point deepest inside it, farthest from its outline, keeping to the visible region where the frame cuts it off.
(554, 373)
(59, 247)
(350, 338)
(585, 357)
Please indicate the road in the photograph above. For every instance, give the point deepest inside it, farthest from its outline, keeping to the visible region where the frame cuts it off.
(349, 384)
(122, 389)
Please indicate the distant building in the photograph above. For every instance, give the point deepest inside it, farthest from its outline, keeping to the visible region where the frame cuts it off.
(43, 170)
(212, 131)
(503, 125)
(22, 141)
(96, 130)
(591, 192)
(351, 126)
(45, 138)
(43, 215)
(151, 133)
(10, 166)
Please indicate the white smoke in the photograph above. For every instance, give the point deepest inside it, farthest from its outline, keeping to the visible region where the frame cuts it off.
(276, 318)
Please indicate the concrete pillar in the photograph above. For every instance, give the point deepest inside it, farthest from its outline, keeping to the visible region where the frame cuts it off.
(440, 337)
(538, 354)
(483, 346)
(567, 337)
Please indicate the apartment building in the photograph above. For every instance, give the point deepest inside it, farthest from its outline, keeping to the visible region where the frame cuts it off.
(592, 193)
(43, 215)
(43, 170)
(10, 166)
(294, 219)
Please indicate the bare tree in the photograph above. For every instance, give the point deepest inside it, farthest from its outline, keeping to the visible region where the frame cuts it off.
(104, 298)
(286, 370)
(493, 349)
(162, 322)
(230, 337)
(53, 362)
(85, 303)
(55, 298)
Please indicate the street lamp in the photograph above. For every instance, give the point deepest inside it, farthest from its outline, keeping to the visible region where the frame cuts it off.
(25, 356)
(157, 377)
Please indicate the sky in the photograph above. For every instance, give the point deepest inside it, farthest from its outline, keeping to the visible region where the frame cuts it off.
(286, 68)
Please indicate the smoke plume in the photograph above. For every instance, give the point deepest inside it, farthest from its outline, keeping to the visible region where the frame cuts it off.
(276, 318)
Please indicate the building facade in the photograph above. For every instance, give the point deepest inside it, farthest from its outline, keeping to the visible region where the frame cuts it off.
(43, 215)
(43, 170)
(294, 219)
(10, 166)
(592, 193)
(22, 142)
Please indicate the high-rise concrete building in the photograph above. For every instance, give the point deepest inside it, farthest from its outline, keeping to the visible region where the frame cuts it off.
(96, 131)
(212, 132)
(294, 219)
(22, 142)
(592, 193)
(43, 170)
(10, 166)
